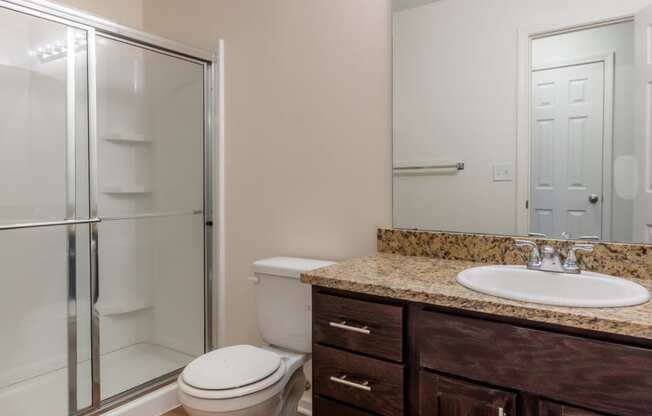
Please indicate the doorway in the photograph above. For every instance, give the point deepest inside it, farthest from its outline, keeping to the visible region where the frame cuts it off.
(580, 133)
(569, 137)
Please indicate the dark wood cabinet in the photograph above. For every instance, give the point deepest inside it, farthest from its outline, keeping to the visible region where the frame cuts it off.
(323, 406)
(364, 382)
(444, 396)
(568, 368)
(369, 328)
(382, 357)
(548, 408)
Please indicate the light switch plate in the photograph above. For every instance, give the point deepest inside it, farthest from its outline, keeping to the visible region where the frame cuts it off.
(503, 172)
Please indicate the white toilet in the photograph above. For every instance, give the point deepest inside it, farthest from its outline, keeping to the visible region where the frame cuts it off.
(244, 380)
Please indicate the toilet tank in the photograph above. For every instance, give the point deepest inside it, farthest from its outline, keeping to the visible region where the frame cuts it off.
(283, 303)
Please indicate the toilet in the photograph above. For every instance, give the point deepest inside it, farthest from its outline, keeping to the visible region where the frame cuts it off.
(246, 380)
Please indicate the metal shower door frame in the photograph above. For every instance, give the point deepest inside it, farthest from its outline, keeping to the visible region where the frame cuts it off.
(95, 27)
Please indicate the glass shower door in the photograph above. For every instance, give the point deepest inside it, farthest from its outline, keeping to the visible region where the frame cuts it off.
(44, 217)
(150, 197)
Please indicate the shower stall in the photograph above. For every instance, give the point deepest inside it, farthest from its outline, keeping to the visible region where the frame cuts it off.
(105, 210)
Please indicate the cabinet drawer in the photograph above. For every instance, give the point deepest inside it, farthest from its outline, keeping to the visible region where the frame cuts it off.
(595, 374)
(363, 382)
(371, 328)
(323, 407)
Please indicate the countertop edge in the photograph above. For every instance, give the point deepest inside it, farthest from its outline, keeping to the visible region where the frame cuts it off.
(500, 308)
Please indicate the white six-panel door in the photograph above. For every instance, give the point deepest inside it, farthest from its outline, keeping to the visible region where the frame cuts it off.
(643, 204)
(567, 150)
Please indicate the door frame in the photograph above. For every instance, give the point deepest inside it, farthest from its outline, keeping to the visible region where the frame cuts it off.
(608, 60)
(523, 108)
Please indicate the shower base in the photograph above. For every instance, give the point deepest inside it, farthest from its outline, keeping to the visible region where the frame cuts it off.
(121, 370)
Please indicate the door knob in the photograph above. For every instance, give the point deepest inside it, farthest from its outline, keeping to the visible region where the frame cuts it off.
(593, 198)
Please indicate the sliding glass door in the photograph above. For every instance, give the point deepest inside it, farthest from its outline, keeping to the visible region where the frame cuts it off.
(150, 162)
(104, 213)
(44, 217)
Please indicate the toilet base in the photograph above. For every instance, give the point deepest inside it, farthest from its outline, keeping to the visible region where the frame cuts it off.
(269, 407)
(282, 404)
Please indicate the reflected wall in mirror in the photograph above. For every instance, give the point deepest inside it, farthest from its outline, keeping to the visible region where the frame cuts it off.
(524, 117)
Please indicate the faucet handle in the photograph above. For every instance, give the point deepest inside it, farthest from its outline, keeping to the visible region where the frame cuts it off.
(549, 252)
(535, 254)
(570, 264)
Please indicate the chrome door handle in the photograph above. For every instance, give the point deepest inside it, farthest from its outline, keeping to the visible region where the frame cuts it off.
(593, 198)
(343, 325)
(343, 381)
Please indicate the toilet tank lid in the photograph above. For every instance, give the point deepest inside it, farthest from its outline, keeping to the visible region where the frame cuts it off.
(288, 266)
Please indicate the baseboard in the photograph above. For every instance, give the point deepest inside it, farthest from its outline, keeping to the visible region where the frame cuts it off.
(305, 405)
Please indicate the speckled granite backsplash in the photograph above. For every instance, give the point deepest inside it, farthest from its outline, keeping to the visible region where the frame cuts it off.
(616, 259)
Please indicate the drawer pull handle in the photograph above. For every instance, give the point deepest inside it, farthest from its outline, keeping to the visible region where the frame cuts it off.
(343, 325)
(343, 380)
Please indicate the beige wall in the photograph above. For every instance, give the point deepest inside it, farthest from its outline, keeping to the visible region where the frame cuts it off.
(307, 107)
(125, 12)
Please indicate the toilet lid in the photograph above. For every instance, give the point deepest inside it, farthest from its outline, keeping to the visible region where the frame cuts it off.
(231, 368)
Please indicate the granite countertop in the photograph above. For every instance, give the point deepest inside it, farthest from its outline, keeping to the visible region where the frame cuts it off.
(432, 281)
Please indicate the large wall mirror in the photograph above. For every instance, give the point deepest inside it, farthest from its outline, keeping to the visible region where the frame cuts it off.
(524, 117)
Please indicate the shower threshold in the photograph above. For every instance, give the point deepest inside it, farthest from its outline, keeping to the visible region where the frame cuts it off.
(121, 370)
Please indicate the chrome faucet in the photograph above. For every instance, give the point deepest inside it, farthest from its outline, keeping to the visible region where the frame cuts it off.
(570, 264)
(550, 260)
(534, 262)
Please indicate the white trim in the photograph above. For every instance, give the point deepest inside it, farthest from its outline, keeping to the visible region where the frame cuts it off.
(220, 287)
(544, 31)
(394, 120)
(608, 145)
(523, 108)
(602, 57)
(523, 114)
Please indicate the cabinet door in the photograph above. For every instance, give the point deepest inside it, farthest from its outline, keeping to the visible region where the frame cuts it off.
(442, 396)
(323, 407)
(547, 408)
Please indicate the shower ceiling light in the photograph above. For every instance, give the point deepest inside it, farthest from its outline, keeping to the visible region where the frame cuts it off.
(50, 52)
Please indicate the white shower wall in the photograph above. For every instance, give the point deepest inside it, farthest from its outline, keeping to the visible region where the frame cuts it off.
(34, 276)
(151, 269)
(150, 160)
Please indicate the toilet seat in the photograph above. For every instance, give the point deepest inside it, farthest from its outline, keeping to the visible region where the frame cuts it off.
(232, 372)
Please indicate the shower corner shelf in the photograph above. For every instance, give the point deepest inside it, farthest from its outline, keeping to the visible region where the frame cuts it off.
(122, 308)
(127, 139)
(120, 190)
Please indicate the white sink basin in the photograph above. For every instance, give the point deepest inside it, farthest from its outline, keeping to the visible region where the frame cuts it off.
(586, 290)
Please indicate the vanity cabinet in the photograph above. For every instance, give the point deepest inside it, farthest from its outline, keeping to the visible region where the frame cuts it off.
(444, 396)
(380, 356)
(323, 406)
(358, 354)
(547, 408)
(572, 369)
